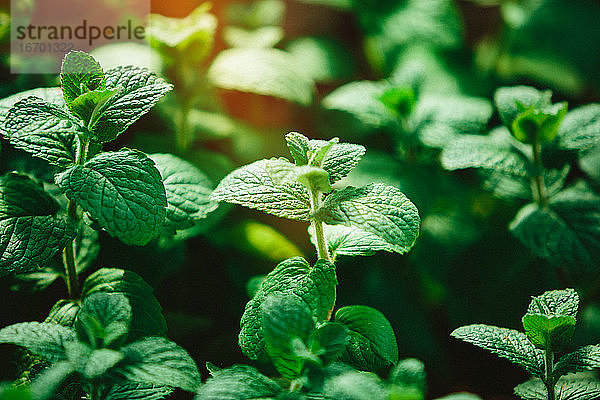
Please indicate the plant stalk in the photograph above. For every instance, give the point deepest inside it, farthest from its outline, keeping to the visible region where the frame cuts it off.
(548, 368)
(315, 204)
(69, 252)
(538, 179)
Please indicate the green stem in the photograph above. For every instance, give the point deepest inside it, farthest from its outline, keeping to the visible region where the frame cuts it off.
(183, 134)
(538, 179)
(315, 204)
(548, 368)
(69, 252)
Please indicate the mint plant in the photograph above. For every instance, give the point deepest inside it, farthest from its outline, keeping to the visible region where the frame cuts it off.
(108, 336)
(549, 325)
(288, 323)
(528, 159)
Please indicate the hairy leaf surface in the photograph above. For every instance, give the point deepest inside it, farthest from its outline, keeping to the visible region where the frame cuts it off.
(377, 208)
(239, 382)
(259, 185)
(507, 343)
(41, 338)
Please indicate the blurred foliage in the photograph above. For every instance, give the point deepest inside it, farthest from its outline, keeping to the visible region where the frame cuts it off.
(411, 80)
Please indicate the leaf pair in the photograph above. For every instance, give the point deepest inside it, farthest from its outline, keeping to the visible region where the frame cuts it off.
(97, 351)
(380, 216)
(549, 324)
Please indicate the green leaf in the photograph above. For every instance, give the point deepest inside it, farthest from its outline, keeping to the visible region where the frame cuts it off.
(187, 190)
(80, 73)
(583, 359)
(103, 319)
(63, 312)
(360, 100)
(324, 59)
(551, 332)
(52, 95)
(158, 361)
(240, 382)
(127, 391)
(45, 130)
(355, 385)
(49, 380)
(351, 241)
(89, 106)
(409, 373)
(259, 185)
(41, 338)
(192, 36)
(268, 72)
(580, 130)
(371, 341)
(555, 302)
(539, 124)
(315, 286)
(341, 159)
(328, 341)
(256, 13)
(147, 318)
(377, 208)
(299, 146)
(512, 101)
(566, 233)
(440, 120)
(137, 91)
(264, 36)
(100, 361)
(565, 389)
(506, 343)
(12, 392)
(122, 190)
(30, 233)
(286, 319)
(494, 151)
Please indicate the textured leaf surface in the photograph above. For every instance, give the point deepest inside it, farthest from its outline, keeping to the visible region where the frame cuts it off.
(123, 190)
(44, 339)
(52, 95)
(239, 382)
(299, 146)
(139, 90)
(565, 389)
(132, 391)
(100, 361)
(80, 73)
(45, 130)
(371, 341)
(158, 361)
(341, 159)
(555, 302)
(377, 208)
(147, 318)
(351, 241)
(187, 190)
(582, 359)
(507, 343)
(263, 71)
(49, 380)
(30, 234)
(409, 372)
(580, 130)
(315, 286)
(566, 233)
(258, 185)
